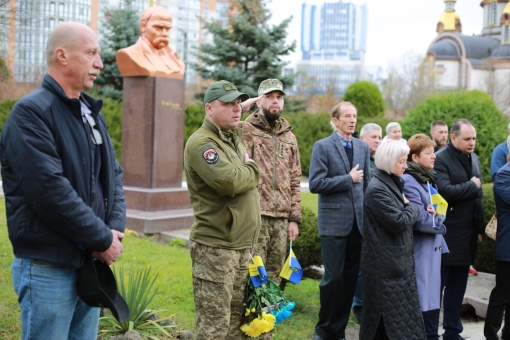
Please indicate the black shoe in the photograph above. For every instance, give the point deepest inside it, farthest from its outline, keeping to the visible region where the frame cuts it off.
(356, 310)
(318, 337)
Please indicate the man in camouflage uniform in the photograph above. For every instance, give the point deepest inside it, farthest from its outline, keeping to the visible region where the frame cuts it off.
(272, 145)
(222, 181)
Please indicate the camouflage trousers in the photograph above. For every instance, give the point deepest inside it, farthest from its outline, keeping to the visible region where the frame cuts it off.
(272, 245)
(218, 287)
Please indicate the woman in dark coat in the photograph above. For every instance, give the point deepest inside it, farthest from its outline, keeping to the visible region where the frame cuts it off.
(391, 308)
(429, 243)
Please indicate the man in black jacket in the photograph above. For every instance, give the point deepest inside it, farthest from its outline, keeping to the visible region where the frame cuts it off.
(63, 189)
(459, 182)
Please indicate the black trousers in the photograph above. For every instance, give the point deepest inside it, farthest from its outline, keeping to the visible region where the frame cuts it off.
(431, 321)
(499, 302)
(341, 257)
(453, 282)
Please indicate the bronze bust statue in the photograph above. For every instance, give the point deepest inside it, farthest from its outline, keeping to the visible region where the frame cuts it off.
(151, 55)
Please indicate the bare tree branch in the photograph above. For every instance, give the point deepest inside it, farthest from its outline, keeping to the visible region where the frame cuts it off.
(406, 85)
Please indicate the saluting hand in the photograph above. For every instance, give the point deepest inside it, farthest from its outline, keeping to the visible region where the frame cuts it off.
(247, 104)
(357, 175)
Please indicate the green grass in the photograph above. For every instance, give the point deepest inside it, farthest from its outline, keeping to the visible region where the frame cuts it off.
(175, 294)
(309, 200)
(10, 326)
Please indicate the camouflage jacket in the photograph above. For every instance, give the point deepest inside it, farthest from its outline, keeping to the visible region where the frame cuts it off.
(276, 152)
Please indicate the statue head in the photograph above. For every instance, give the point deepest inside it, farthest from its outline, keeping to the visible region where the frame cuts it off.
(155, 25)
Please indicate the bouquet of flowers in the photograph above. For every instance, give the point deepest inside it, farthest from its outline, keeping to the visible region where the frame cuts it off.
(265, 303)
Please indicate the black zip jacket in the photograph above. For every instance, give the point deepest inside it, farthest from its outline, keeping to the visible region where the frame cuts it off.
(47, 157)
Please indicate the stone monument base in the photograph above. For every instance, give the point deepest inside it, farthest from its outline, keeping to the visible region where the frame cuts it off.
(152, 155)
(156, 222)
(152, 211)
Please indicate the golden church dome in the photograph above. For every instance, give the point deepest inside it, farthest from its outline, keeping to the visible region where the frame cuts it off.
(507, 9)
(449, 20)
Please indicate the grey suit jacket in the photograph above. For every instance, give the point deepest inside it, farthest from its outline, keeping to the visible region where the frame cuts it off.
(340, 200)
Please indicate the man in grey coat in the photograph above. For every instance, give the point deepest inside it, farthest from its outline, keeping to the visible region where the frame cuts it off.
(339, 173)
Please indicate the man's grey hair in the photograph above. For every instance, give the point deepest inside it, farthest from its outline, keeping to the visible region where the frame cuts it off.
(387, 154)
(365, 130)
(391, 126)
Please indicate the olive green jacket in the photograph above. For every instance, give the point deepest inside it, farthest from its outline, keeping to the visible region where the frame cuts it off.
(222, 188)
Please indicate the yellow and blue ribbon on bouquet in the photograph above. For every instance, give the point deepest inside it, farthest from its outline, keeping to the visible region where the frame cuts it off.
(292, 270)
(258, 274)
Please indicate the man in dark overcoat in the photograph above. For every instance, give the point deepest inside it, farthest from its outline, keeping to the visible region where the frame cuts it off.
(459, 182)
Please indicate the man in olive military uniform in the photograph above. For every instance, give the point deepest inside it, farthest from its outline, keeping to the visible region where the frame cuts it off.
(222, 184)
(272, 145)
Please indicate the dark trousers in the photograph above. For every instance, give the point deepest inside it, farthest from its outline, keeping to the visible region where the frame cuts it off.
(341, 258)
(431, 321)
(358, 293)
(499, 302)
(453, 285)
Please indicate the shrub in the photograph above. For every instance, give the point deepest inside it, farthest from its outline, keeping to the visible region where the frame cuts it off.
(381, 121)
(307, 246)
(366, 97)
(112, 111)
(485, 254)
(5, 110)
(193, 118)
(476, 106)
(308, 129)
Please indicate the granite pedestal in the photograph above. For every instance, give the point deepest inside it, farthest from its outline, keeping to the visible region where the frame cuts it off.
(152, 154)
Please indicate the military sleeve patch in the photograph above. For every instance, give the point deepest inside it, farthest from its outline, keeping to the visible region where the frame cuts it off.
(211, 156)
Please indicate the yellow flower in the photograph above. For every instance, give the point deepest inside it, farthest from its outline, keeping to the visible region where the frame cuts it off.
(270, 318)
(253, 310)
(251, 329)
(262, 324)
(247, 312)
(129, 232)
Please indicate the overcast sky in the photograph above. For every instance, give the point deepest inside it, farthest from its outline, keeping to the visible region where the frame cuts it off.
(394, 26)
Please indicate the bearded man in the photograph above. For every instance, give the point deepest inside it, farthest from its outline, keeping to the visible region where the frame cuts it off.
(439, 134)
(271, 144)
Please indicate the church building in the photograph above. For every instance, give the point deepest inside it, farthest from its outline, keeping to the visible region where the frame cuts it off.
(473, 62)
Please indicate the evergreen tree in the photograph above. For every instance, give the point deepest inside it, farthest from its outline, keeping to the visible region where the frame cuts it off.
(120, 30)
(248, 51)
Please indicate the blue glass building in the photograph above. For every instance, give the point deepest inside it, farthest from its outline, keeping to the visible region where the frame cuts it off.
(333, 44)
